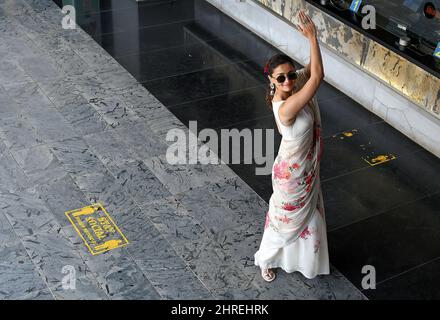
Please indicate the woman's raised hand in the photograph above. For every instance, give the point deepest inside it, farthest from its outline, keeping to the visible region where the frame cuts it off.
(306, 25)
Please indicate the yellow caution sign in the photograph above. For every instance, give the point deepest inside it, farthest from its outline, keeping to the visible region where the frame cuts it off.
(346, 134)
(372, 161)
(96, 228)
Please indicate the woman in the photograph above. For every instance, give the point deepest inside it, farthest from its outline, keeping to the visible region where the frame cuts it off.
(295, 236)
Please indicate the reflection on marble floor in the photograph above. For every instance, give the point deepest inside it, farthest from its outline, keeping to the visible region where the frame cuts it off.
(77, 128)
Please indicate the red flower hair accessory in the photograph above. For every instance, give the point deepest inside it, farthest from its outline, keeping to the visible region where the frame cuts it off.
(266, 68)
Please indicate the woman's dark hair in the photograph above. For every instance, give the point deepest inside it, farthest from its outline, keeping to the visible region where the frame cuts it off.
(272, 63)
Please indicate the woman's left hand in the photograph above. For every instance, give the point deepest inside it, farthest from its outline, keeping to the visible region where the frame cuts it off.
(306, 26)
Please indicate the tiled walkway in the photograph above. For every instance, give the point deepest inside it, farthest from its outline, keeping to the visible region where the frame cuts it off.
(77, 128)
(204, 66)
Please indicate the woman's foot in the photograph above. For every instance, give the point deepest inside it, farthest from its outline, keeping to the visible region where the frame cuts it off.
(268, 275)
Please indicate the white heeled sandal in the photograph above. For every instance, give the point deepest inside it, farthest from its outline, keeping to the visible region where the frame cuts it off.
(268, 275)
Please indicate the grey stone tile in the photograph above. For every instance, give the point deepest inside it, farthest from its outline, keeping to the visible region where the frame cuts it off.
(29, 97)
(102, 97)
(68, 62)
(76, 157)
(107, 100)
(51, 126)
(206, 258)
(49, 39)
(7, 234)
(46, 8)
(110, 149)
(62, 195)
(162, 120)
(19, 279)
(172, 219)
(39, 67)
(44, 294)
(180, 139)
(44, 35)
(73, 36)
(140, 183)
(15, 7)
(42, 5)
(240, 242)
(95, 56)
(51, 252)
(85, 289)
(214, 173)
(72, 105)
(334, 286)
(178, 178)
(116, 271)
(100, 187)
(165, 269)
(142, 140)
(143, 103)
(11, 72)
(27, 213)
(295, 286)
(117, 78)
(13, 48)
(237, 241)
(208, 210)
(6, 23)
(177, 283)
(12, 176)
(32, 25)
(62, 92)
(18, 132)
(48, 42)
(105, 189)
(8, 107)
(114, 111)
(236, 195)
(3, 148)
(91, 86)
(15, 40)
(98, 84)
(40, 164)
(220, 273)
(84, 119)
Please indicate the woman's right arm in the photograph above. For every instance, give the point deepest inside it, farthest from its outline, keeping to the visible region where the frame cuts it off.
(290, 108)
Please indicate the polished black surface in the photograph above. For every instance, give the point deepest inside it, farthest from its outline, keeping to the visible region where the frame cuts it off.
(204, 84)
(397, 243)
(204, 66)
(219, 111)
(419, 283)
(182, 59)
(375, 190)
(159, 37)
(344, 154)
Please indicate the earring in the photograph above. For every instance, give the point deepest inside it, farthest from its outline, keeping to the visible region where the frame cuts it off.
(272, 87)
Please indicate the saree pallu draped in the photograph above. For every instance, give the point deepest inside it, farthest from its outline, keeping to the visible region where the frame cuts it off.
(296, 211)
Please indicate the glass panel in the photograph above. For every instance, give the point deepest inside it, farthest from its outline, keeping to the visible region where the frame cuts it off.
(417, 21)
(422, 30)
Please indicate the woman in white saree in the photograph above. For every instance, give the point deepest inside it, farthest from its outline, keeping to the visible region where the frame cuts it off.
(295, 236)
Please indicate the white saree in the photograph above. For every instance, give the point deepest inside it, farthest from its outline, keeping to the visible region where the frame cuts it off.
(295, 235)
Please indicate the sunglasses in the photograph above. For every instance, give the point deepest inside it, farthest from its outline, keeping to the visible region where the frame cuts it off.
(292, 75)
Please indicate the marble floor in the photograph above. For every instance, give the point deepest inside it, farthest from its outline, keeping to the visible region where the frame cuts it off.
(83, 118)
